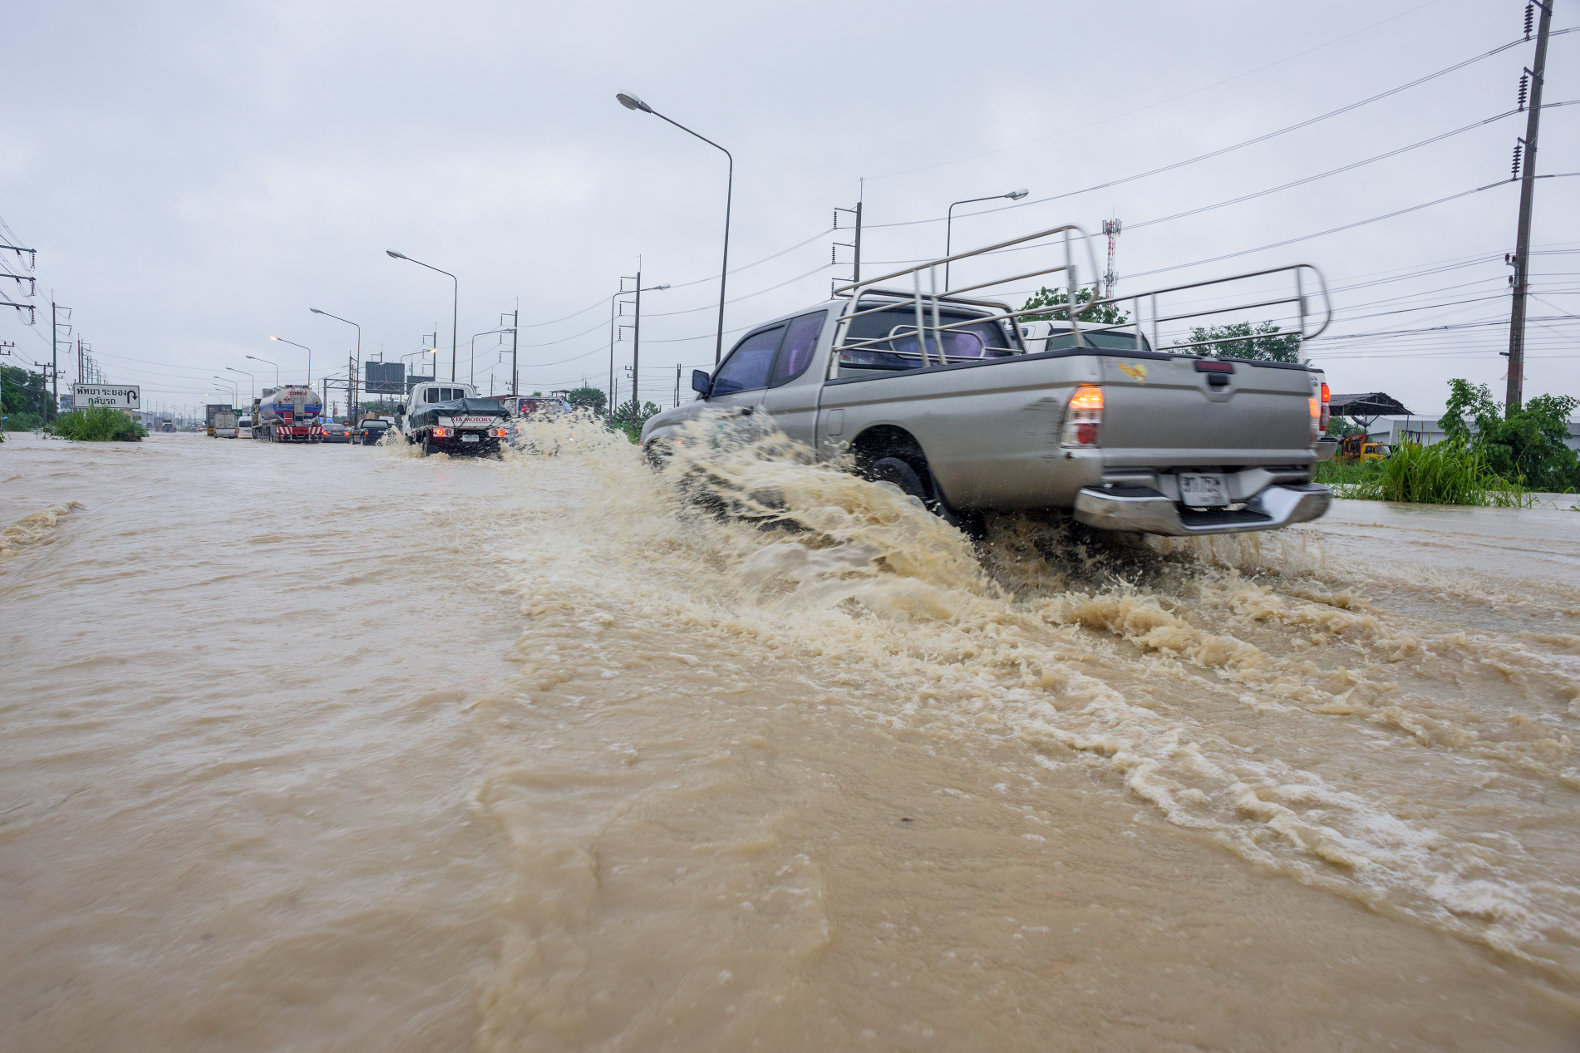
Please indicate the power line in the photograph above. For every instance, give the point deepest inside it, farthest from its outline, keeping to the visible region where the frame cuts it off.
(1221, 151)
(1161, 102)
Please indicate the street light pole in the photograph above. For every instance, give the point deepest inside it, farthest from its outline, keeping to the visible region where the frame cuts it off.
(949, 219)
(235, 389)
(631, 102)
(304, 347)
(266, 362)
(252, 386)
(356, 366)
(472, 375)
(455, 304)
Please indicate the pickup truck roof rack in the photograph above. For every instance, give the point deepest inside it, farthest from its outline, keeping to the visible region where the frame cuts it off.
(1306, 283)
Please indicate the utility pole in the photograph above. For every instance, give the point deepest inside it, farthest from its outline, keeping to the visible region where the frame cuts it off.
(5, 351)
(515, 323)
(1522, 245)
(854, 244)
(45, 371)
(636, 346)
(54, 349)
(614, 334)
(677, 383)
(32, 263)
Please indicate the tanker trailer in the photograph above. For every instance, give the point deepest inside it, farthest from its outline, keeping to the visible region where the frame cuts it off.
(289, 414)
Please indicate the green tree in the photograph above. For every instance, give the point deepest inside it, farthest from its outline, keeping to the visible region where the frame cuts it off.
(629, 419)
(587, 398)
(1467, 399)
(1059, 300)
(1529, 446)
(26, 400)
(1263, 343)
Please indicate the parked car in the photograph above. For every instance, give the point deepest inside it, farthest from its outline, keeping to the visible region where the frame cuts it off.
(334, 432)
(371, 430)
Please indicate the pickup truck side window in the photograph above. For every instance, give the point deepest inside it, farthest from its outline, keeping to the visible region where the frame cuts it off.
(747, 367)
(796, 352)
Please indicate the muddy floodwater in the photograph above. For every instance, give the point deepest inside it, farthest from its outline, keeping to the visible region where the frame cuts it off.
(344, 748)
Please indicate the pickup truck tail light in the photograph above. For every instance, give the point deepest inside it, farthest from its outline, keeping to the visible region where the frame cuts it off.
(1083, 417)
(441, 433)
(1318, 403)
(499, 433)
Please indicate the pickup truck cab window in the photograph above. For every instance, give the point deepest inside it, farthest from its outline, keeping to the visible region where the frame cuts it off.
(747, 367)
(796, 351)
(442, 394)
(893, 344)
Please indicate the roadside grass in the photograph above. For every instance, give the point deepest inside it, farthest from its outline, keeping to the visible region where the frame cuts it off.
(98, 424)
(1442, 474)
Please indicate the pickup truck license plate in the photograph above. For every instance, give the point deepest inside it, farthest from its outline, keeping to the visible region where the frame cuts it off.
(1202, 490)
(473, 438)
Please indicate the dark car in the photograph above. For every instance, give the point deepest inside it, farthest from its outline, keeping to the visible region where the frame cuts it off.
(336, 432)
(370, 431)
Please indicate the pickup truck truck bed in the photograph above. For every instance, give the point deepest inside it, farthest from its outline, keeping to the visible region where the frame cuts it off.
(970, 419)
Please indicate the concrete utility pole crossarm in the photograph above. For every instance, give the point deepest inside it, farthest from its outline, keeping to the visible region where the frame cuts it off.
(1514, 395)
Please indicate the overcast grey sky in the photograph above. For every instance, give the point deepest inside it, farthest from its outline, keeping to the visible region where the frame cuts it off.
(196, 175)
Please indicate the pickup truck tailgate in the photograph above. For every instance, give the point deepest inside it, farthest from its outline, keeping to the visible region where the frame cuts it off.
(1185, 411)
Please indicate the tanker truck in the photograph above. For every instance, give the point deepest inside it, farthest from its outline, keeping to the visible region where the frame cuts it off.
(288, 414)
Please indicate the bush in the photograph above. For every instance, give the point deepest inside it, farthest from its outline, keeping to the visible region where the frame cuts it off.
(22, 422)
(1448, 473)
(98, 424)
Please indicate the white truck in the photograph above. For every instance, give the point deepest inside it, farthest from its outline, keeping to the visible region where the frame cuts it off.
(964, 404)
(452, 418)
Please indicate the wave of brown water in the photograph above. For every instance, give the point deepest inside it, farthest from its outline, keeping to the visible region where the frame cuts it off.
(650, 778)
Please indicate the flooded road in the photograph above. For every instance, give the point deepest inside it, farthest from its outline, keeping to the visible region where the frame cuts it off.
(341, 748)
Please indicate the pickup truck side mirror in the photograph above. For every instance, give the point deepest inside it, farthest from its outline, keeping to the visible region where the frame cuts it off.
(701, 382)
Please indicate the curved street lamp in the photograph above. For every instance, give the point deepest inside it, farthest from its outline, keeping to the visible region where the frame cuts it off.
(471, 376)
(252, 384)
(351, 397)
(631, 102)
(1013, 195)
(266, 362)
(304, 347)
(235, 389)
(454, 303)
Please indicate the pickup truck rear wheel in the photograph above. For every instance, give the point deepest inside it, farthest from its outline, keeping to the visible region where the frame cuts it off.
(427, 444)
(901, 474)
(904, 475)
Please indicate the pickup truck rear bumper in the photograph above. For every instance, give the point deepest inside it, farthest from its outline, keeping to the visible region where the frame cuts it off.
(1143, 509)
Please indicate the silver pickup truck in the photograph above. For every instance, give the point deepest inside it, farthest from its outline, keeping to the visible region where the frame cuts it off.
(968, 405)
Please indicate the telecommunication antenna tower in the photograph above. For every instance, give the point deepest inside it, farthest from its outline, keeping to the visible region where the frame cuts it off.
(1110, 279)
